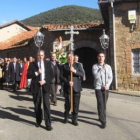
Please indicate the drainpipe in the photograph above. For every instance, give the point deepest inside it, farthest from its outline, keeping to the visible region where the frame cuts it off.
(114, 48)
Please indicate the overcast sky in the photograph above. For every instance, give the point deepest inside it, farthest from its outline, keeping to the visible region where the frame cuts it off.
(21, 9)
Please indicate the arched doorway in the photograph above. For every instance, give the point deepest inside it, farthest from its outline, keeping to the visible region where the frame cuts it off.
(88, 57)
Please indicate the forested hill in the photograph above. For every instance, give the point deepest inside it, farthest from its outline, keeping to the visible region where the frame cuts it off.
(65, 15)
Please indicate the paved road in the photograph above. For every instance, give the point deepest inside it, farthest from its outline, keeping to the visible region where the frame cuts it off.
(17, 119)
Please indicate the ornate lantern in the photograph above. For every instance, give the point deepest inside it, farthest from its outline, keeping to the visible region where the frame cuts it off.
(104, 40)
(39, 39)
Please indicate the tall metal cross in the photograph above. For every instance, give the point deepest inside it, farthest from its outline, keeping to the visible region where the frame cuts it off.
(72, 33)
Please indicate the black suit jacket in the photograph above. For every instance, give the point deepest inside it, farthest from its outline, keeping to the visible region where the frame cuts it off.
(57, 78)
(65, 76)
(12, 72)
(35, 86)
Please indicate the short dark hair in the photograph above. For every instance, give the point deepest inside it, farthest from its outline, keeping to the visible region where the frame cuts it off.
(70, 52)
(52, 53)
(76, 56)
(41, 51)
(101, 52)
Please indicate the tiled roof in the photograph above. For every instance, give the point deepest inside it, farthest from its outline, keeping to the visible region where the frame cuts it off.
(17, 40)
(33, 28)
(22, 38)
(76, 26)
(13, 22)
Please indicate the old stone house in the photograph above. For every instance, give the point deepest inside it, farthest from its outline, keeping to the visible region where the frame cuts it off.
(122, 18)
(11, 29)
(14, 39)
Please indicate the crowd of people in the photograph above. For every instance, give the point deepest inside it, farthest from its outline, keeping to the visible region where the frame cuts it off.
(42, 77)
(14, 71)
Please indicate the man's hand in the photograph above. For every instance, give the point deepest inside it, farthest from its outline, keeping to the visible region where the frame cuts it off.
(72, 69)
(106, 87)
(42, 82)
(105, 66)
(71, 83)
(84, 79)
(40, 71)
(59, 62)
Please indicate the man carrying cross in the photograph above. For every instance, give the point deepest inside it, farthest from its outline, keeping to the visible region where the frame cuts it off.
(65, 76)
(70, 75)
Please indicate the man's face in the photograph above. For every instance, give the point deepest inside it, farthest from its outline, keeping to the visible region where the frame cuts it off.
(5, 59)
(76, 59)
(25, 59)
(40, 56)
(30, 59)
(53, 57)
(14, 59)
(101, 58)
(70, 58)
(8, 62)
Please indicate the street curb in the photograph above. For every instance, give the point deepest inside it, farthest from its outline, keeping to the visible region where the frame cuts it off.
(128, 94)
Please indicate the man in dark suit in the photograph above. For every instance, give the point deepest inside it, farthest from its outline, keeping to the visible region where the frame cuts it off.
(77, 71)
(15, 72)
(56, 80)
(76, 59)
(41, 73)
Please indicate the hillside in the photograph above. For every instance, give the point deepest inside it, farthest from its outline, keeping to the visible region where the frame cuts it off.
(65, 15)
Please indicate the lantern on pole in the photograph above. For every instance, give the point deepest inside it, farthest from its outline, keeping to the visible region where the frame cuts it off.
(39, 39)
(104, 40)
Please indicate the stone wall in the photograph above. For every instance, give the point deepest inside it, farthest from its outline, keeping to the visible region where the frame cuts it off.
(125, 42)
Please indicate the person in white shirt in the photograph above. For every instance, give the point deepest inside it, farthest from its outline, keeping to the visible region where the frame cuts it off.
(102, 74)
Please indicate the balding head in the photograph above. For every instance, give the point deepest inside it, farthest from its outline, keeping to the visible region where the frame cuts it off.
(40, 55)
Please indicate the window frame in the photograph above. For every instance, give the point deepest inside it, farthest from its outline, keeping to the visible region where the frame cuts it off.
(132, 52)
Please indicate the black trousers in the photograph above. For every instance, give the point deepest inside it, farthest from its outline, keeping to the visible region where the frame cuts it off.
(15, 83)
(38, 111)
(76, 102)
(102, 97)
(53, 92)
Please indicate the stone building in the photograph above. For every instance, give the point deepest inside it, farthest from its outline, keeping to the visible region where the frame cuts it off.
(15, 39)
(122, 18)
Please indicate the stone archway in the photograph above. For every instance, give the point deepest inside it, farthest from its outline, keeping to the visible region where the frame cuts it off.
(86, 43)
(87, 52)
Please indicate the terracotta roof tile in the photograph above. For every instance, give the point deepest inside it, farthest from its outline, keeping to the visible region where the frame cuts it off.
(76, 26)
(33, 28)
(17, 40)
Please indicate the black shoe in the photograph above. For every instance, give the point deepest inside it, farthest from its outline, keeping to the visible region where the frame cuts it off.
(103, 126)
(75, 123)
(37, 125)
(65, 121)
(49, 128)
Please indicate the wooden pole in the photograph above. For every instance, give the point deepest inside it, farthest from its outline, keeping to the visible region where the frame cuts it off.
(71, 88)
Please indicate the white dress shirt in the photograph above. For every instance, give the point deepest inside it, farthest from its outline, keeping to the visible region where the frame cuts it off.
(42, 67)
(14, 66)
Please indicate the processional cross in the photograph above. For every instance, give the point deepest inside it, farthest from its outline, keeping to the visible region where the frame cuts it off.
(72, 33)
(71, 49)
